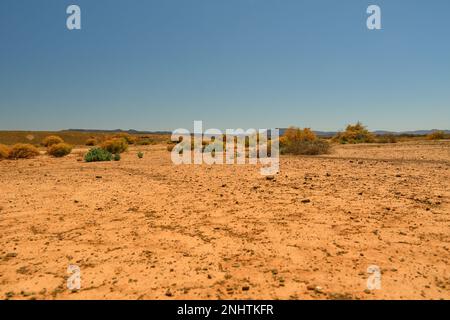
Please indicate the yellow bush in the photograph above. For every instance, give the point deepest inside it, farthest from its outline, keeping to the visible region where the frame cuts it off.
(4, 151)
(59, 150)
(127, 137)
(302, 142)
(91, 142)
(354, 134)
(23, 151)
(51, 140)
(297, 134)
(114, 146)
(436, 135)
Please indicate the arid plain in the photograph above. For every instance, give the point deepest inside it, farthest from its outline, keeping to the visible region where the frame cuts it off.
(147, 229)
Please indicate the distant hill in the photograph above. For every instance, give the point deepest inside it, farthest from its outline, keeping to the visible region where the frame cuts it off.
(378, 132)
(282, 130)
(130, 131)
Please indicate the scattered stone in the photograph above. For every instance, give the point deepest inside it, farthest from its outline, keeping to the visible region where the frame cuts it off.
(306, 201)
(272, 178)
(98, 177)
(245, 288)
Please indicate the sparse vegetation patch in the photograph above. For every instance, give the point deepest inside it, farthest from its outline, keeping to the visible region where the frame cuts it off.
(354, 134)
(98, 154)
(117, 145)
(302, 142)
(59, 150)
(4, 151)
(23, 151)
(51, 140)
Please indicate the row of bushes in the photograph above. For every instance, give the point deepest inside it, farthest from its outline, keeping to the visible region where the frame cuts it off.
(128, 138)
(18, 151)
(359, 134)
(108, 150)
(55, 147)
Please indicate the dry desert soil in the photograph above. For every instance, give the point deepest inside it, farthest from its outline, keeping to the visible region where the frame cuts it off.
(147, 229)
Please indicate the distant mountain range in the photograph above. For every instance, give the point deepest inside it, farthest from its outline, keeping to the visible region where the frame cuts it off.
(282, 130)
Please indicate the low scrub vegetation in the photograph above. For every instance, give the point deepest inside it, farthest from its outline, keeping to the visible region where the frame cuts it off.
(387, 138)
(436, 135)
(91, 142)
(117, 157)
(59, 150)
(117, 145)
(23, 151)
(51, 140)
(4, 151)
(302, 142)
(140, 155)
(170, 147)
(354, 134)
(129, 139)
(98, 154)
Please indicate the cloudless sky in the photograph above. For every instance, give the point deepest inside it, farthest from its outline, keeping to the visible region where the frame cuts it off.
(161, 64)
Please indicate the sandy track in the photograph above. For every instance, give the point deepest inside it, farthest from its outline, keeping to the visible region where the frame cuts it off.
(146, 229)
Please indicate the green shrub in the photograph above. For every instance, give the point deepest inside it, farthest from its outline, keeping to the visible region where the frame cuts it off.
(4, 151)
(91, 142)
(436, 135)
(117, 145)
(117, 157)
(140, 155)
(59, 150)
(51, 140)
(23, 151)
(98, 154)
(354, 134)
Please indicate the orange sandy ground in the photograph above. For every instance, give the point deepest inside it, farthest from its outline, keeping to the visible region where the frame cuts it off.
(146, 229)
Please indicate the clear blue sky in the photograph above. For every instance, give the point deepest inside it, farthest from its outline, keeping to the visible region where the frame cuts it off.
(161, 64)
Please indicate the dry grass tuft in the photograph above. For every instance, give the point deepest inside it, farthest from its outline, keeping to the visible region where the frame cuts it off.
(23, 151)
(129, 139)
(51, 140)
(59, 150)
(114, 146)
(91, 142)
(4, 151)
